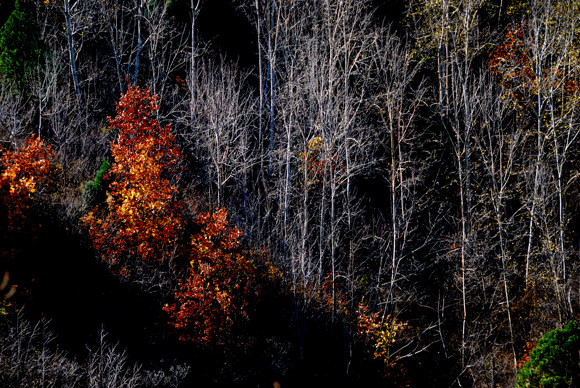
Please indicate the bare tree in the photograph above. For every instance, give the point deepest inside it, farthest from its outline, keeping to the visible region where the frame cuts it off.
(164, 44)
(397, 103)
(450, 28)
(107, 367)
(13, 117)
(71, 17)
(499, 147)
(118, 26)
(224, 113)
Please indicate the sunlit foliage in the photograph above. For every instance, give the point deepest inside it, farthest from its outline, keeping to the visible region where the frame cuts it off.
(140, 218)
(380, 333)
(25, 172)
(218, 286)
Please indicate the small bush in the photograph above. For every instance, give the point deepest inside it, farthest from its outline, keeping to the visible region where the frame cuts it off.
(95, 191)
(554, 361)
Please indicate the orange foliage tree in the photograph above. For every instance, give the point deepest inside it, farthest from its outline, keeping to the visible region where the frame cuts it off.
(381, 337)
(219, 284)
(24, 173)
(140, 218)
(381, 333)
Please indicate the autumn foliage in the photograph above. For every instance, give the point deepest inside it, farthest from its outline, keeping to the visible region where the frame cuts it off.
(513, 63)
(381, 336)
(140, 218)
(218, 285)
(314, 162)
(24, 173)
(380, 332)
